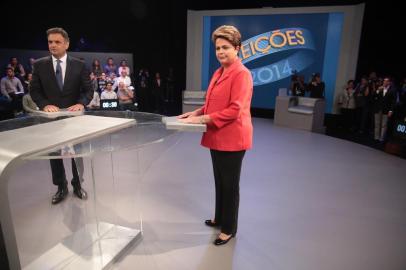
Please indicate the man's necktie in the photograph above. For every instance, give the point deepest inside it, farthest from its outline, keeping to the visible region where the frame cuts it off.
(58, 74)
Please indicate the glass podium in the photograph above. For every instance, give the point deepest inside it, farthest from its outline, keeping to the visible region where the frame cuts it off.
(112, 152)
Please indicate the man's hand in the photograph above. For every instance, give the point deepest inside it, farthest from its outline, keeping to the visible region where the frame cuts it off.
(51, 108)
(76, 107)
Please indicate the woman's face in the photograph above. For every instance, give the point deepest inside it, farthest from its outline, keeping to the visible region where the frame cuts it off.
(226, 53)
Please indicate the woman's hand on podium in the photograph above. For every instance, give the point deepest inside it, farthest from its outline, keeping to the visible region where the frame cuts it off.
(185, 115)
(200, 119)
(192, 120)
(189, 114)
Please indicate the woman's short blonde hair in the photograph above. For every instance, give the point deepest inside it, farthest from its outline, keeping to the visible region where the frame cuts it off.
(229, 33)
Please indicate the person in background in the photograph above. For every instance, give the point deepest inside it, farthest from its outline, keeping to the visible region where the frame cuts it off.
(316, 87)
(93, 81)
(123, 78)
(18, 69)
(95, 102)
(27, 82)
(101, 81)
(170, 86)
(158, 92)
(297, 85)
(362, 96)
(347, 104)
(97, 68)
(30, 67)
(125, 97)
(108, 92)
(110, 67)
(28, 104)
(12, 89)
(384, 103)
(143, 90)
(124, 67)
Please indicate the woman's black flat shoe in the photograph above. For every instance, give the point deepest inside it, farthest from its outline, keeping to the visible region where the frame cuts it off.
(219, 242)
(210, 223)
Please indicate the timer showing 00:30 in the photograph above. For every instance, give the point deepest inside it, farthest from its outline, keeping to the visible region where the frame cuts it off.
(109, 104)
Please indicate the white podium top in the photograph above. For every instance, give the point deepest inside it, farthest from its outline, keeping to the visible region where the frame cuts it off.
(45, 137)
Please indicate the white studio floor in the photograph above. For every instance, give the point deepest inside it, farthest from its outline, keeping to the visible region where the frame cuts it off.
(308, 202)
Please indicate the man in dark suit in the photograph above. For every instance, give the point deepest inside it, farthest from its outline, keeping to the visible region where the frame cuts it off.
(61, 82)
(384, 103)
(316, 87)
(158, 93)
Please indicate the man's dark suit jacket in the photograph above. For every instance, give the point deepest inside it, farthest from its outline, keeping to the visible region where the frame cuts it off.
(76, 89)
(385, 103)
(158, 90)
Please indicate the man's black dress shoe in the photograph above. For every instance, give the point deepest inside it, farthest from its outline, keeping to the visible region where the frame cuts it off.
(60, 194)
(79, 192)
(219, 242)
(210, 223)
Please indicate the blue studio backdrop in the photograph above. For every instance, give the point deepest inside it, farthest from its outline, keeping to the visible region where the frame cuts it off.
(276, 46)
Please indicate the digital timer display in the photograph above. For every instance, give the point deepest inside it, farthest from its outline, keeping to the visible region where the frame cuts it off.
(400, 130)
(109, 104)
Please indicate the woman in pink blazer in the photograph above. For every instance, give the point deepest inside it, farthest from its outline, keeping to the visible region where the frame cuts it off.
(229, 129)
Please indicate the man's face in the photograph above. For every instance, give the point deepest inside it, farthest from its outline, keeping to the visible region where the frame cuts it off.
(57, 45)
(386, 82)
(10, 73)
(14, 61)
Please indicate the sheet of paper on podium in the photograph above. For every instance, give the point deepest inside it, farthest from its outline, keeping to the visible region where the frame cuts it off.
(174, 123)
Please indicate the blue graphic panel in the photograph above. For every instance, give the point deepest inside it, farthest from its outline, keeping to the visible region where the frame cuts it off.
(276, 46)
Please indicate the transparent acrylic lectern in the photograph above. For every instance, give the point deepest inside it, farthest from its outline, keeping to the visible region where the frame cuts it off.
(112, 151)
